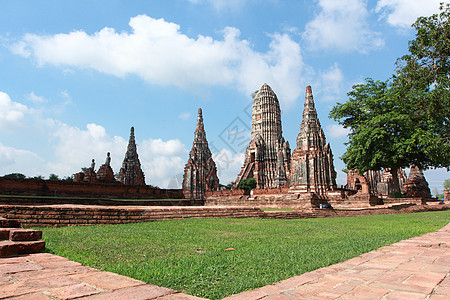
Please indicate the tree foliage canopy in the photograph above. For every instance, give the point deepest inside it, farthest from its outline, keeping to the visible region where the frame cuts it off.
(405, 120)
(447, 184)
(15, 175)
(247, 184)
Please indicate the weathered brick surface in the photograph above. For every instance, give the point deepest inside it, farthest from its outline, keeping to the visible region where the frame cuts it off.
(25, 235)
(9, 248)
(5, 223)
(66, 215)
(36, 187)
(46, 276)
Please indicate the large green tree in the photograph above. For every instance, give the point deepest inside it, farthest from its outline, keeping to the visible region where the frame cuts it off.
(404, 120)
(378, 128)
(423, 84)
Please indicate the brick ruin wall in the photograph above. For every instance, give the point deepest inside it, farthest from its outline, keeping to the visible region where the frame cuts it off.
(226, 194)
(70, 215)
(36, 187)
(284, 198)
(447, 196)
(42, 200)
(284, 201)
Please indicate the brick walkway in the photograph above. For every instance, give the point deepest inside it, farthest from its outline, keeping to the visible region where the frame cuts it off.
(418, 268)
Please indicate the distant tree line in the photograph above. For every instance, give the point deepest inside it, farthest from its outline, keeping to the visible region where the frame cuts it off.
(40, 177)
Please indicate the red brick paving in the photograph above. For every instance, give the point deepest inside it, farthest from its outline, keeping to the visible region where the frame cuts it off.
(417, 268)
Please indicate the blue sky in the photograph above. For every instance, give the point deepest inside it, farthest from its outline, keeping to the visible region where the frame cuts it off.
(76, 75)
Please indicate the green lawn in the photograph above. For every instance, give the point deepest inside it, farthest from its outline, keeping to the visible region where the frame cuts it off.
(189, 255)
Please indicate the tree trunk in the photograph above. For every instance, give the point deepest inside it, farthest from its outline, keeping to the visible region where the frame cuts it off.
(395, 183)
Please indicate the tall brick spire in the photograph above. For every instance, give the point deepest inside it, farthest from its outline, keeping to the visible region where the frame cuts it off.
(312, 168)
(200, 134)
(131, 172)
(268, 154)
(200, 172)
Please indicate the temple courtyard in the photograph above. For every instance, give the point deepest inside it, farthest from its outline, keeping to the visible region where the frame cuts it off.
(416, 268)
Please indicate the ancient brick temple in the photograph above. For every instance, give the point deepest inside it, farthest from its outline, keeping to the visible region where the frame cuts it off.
(131, 172)
(200, 172)
(105, 173)
(312, 168)
(367, 183)
(88, 175)
(416, 185)
(267, 157)
(379, 183)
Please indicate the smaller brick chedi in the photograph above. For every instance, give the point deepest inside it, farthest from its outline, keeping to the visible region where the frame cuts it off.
(106, 173)
(416, 185)
(312, 168)
(131, 172)
(200, 172)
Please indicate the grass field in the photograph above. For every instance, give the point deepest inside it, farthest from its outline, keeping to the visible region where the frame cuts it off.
(190, 255)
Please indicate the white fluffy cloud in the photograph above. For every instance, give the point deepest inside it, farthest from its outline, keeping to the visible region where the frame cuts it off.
(402, 13)
(163, 162)
(331, 84)
(12, 113)
(337, 131)
(228, 165)
(35, 98)
(222, 4)
(160, 53)
(341, 25)
(184, 116)
(19, 161)
(74, 148)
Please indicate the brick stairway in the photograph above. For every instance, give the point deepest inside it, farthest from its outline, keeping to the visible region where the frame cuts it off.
(15, 240)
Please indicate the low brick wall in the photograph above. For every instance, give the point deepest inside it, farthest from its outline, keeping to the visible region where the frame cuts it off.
(35, 200)
(332, 213)
(417, 201)
(262, 201)
(67, 215)
(283, 190)
(226, 194)
(70, 215)
(37, 187)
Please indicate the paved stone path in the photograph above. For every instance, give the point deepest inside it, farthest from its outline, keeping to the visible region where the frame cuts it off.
(417, 268)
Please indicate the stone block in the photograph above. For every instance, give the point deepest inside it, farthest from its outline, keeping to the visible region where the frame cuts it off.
(25, 235)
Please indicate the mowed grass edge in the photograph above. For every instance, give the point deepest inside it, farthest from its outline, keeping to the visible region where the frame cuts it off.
(215, 258)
